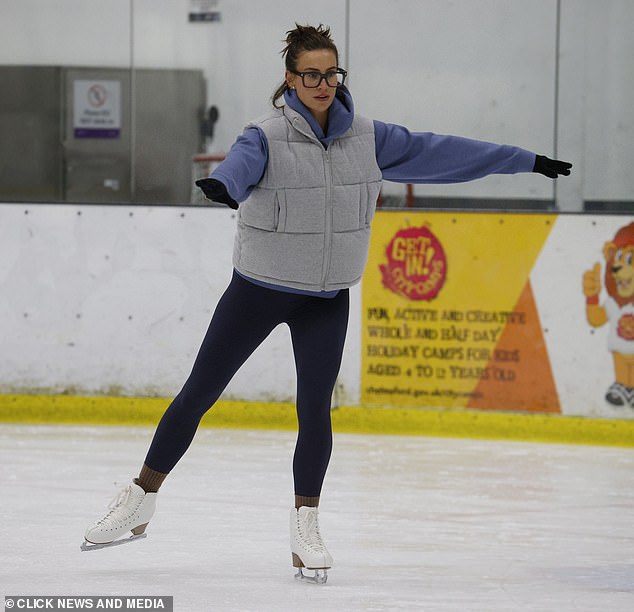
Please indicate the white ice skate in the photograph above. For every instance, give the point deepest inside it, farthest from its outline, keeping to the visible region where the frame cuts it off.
(307, 547)
(131, 510)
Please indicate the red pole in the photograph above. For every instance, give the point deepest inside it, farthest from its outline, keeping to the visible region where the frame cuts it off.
(409, 197)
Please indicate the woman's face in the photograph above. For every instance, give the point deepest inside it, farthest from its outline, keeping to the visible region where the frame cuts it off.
(316, 99)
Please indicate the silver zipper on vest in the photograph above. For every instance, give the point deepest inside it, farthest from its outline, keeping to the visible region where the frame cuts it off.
(328, 220)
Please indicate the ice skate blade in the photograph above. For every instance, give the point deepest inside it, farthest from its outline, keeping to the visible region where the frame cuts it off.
(89, 546)
(320, 577)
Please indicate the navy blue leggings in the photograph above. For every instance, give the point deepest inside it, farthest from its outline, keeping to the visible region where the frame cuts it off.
(246, 314)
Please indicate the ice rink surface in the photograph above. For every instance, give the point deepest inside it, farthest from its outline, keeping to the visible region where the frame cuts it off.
(412, 523)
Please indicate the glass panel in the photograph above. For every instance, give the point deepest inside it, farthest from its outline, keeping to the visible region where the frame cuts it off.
(59, 123)
(609, 109)
(127, 101)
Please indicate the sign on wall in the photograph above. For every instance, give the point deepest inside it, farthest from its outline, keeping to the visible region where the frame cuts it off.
(516, 312)
(449, 317)
(203, 11)
(96, 109)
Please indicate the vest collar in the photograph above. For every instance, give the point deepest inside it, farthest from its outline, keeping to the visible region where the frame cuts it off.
(300, 123)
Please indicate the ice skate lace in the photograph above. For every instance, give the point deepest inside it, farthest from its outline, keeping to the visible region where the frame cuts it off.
(119, 500)
(309, 532)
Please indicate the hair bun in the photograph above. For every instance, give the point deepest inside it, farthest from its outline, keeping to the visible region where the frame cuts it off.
(300, 33)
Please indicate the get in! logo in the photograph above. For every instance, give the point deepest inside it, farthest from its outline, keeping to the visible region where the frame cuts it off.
(416, 265)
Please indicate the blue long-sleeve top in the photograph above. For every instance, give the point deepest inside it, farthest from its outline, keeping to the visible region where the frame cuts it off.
(402, 156)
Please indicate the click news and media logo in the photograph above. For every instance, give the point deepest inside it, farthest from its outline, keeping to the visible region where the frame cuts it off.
(165, 603)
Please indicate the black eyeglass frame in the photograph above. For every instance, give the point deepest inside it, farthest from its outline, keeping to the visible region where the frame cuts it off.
(323, 76)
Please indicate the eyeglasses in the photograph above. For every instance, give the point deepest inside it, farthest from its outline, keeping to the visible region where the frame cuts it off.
(312, 79)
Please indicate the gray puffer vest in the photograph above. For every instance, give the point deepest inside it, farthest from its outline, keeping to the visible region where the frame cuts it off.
(306, 225)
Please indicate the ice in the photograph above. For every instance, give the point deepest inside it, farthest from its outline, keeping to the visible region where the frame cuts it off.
(413, 523)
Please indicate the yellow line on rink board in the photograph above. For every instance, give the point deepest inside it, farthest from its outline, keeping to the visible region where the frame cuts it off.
(103, 410)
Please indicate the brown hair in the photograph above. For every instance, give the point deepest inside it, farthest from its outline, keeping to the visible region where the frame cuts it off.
(303, 38)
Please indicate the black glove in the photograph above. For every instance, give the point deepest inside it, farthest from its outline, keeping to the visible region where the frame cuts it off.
(216, 192)
(551, 168)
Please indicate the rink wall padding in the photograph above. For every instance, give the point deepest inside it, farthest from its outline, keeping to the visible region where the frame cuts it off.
(460, 315)
(123, 411)
(486, 311)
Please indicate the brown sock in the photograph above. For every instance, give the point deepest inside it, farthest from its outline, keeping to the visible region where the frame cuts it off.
(150, 480)
(303, 500)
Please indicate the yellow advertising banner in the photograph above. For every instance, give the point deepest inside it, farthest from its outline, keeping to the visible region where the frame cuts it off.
(449, 318)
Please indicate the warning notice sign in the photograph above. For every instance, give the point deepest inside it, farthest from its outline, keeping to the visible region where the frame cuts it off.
(97, 109)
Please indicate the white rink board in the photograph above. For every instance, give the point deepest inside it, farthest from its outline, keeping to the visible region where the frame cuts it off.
(582, 365)
(99, 299)
(116, 300)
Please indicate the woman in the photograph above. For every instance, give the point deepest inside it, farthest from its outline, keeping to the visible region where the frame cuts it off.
(307, 177)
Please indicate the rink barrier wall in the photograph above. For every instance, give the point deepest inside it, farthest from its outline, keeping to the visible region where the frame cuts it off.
(102, 300)
(129, 411)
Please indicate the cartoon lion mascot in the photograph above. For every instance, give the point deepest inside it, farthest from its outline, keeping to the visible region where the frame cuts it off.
(617, 310)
